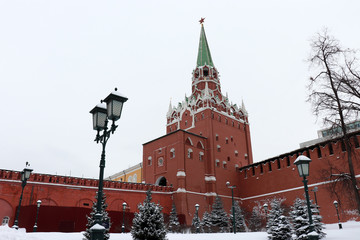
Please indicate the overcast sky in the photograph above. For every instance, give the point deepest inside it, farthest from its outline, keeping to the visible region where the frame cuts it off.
(59, 58)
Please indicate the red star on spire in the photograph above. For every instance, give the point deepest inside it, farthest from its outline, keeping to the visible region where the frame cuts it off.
(202, 20)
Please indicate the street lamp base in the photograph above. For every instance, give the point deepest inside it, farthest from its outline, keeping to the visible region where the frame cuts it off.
(340, 226)
(97, 232)
(313, 235)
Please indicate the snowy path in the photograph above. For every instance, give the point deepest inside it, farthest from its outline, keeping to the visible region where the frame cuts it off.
(350, 231)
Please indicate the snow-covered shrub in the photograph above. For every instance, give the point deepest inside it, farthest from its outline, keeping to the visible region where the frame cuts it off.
(206, 223)
(300, 220)
(174, 225)
(218, 217)
(148, 223)
(278, 226)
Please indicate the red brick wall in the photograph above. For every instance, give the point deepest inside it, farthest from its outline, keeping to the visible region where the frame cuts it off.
(70, 192)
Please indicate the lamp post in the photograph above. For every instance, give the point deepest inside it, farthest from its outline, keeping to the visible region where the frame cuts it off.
(197, 206)
(38, 203)
(302, 163)
(266, 207)
(25, 175)
(232, 204)
(315, 189)
(101, 116)
(123, 223)
(337, 212)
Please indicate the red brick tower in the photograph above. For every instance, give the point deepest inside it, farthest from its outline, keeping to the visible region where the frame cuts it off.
(207, 139)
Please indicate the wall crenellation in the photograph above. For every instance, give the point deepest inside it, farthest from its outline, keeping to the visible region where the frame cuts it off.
(56, 179)
(286, 160)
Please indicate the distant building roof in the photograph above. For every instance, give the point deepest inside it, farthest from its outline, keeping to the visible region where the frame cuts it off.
(329, 133)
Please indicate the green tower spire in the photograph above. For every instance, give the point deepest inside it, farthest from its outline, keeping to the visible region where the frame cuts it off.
(204, 56)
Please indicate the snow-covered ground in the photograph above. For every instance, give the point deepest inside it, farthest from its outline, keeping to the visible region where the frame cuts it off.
(350, 231)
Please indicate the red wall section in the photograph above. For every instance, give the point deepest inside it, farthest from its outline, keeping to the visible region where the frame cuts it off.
(59, 193)
(285, 182)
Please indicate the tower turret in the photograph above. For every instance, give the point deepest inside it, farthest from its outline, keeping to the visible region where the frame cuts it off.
(205, 71)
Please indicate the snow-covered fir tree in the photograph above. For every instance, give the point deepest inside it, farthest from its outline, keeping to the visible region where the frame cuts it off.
(300, 219)
(206, 222)
(273, 220)
(239, 218)
(218, 217)
(282, 231)
(255, 221)
(148, 223)
(91, 218)
(317, 220)
(174, 225)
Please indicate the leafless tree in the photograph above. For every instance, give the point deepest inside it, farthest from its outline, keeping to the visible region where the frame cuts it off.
(333, 91)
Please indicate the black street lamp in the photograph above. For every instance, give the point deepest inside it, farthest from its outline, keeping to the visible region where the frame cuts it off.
(197, 206)
(25, 175)
(233, 206)
(123, 223)
(101, 116)
(266, 207)
(315, 189)
(302, 163)
(38, 203)
(337, 212)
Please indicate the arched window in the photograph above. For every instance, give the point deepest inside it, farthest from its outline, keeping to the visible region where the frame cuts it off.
(206, 72)
(172, 153)
(200, 145)
(149, 161)
(190, 153)
(201, 156)
(135, 178)
(217, 162)
(224, 164)
(130, 179)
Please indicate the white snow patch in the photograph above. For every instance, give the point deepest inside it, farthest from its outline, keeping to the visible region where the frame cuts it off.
(180, 174)
(350, 231)
(181, 190)
(210, 178)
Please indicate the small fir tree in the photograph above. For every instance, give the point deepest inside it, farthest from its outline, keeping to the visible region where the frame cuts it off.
(218, 217)
(282, 231)
(239, 218)
(300, 219)
(317, 220)
(148, 223)
(174, 225)
(255, 221)
(91, 218)
(273, 217)
(206, 222)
